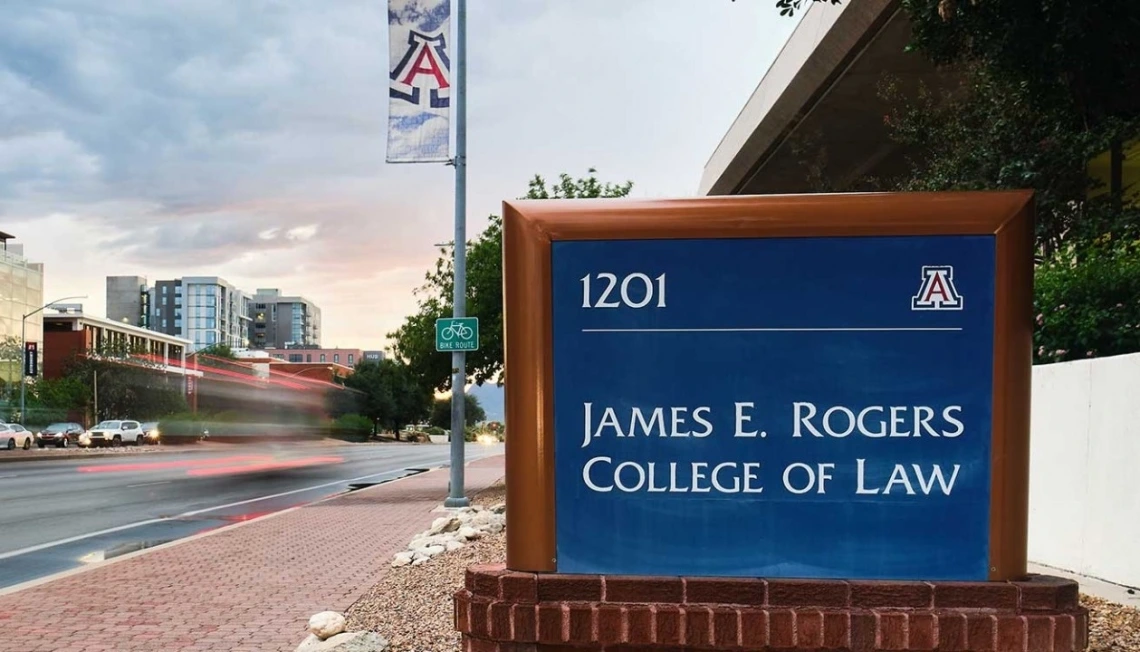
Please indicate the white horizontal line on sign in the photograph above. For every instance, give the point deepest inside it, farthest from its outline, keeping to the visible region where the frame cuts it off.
(768, 330)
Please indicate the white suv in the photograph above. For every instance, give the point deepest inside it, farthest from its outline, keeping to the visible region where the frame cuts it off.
(115, 433)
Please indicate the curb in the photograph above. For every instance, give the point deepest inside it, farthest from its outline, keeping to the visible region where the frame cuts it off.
(8, 457)
(15, 588)
(80, 454)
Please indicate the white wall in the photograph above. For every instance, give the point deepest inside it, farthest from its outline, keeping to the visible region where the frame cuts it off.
(1084, 493)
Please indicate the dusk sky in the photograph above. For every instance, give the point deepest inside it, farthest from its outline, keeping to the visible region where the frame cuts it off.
(246, 139)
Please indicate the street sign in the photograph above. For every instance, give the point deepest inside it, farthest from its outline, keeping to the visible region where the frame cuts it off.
(31, 359)
(819, 387)
(457, 334)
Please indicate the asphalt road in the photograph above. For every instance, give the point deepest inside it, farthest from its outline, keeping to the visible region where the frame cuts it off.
(55, 516)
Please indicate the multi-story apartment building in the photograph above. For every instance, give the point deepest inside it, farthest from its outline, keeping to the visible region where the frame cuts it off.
(205, 310)
(278, 322)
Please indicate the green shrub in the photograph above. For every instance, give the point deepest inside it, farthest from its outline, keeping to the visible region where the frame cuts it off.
(1087, 302)
(352, 427)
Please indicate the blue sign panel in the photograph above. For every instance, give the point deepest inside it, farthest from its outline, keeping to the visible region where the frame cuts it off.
(774, 407)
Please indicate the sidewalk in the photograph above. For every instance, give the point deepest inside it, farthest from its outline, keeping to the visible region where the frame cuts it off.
(251, 587)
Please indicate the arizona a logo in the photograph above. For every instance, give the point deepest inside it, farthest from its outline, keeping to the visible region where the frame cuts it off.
(424, 64)
(937, 291)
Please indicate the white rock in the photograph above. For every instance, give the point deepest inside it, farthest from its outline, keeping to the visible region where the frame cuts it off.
(501, 508)
(326, 624)
(432, 551)
(420, 561)
(495, 528)
(453, 545)
(401, 559)
(346, 642)
(469, 533)
(426, 542)
(482, 519)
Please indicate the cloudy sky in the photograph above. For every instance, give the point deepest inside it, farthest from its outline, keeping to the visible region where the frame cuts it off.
(246, 138)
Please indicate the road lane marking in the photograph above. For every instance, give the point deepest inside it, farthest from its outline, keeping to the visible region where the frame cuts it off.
(149, 484)
(152, 521)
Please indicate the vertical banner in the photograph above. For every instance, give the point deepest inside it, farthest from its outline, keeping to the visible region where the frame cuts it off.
(31, 359)
(419, 81)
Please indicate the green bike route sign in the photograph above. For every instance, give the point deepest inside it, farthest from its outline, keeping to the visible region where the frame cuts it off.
(457, 334)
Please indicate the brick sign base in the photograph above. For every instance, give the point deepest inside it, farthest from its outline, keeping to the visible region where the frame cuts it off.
(503, 611)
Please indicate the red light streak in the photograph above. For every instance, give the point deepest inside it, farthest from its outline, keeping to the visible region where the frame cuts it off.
(268, 464)
(159, 466)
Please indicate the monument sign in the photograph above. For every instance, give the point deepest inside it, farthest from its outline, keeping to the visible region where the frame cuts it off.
(821, 386)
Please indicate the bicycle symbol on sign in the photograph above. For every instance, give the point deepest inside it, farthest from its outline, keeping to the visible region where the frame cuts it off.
(457, 330)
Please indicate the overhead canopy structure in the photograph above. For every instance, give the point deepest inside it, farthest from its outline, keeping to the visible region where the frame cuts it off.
(822, 89)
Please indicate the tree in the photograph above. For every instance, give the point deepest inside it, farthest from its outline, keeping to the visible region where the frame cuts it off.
(388, 393)
(1086, 302)
(441, 412)
(1046, 88)
(1073, 53)
(789, 7)
(414, 341)
(126, 389)
(215, 355)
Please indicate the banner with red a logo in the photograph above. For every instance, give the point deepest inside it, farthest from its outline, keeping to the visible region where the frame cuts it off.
(419, 81)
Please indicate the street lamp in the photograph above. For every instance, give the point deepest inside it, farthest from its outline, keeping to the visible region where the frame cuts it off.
(24, 349)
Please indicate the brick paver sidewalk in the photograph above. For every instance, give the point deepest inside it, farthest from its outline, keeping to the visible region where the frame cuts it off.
(251, 587)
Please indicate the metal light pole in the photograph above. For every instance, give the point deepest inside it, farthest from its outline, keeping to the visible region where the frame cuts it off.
(24, 352)
(456, 497)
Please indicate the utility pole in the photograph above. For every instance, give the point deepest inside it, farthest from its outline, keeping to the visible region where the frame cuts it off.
(456, 496)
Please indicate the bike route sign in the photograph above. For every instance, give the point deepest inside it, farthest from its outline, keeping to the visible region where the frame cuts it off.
(457, 334)
(815, 407)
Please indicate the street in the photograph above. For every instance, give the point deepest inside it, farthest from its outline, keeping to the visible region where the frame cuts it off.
(55, 516)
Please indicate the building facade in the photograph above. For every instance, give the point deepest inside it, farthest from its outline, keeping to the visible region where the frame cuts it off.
(205, 310)
(74, 333)
(346, 357)
(278, 322)
(21, 292)
(128, 300)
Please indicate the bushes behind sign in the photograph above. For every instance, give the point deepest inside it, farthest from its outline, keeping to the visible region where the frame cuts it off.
(1087, 302)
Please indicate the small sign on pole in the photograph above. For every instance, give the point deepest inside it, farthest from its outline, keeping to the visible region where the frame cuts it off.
(31, 359)
(457, 334)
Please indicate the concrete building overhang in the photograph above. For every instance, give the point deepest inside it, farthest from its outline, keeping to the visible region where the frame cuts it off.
(821, 92)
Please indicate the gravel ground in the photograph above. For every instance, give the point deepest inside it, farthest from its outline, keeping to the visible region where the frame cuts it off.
(1112, 627)
(412, 606)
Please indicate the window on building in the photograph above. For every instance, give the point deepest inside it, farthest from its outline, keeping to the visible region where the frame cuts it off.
(336, 358)
(350, 355)
(164, 323)
(165, 288)
(308, 357)
(295, 357)
(177, 323)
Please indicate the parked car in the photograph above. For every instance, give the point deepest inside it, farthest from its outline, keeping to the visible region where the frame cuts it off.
(13, 435)
(114, 432)
(150, 432)
(61, 434)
